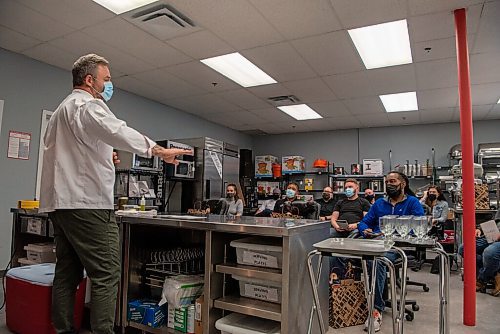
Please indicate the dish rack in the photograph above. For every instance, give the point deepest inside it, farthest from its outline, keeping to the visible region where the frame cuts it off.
(167, 263)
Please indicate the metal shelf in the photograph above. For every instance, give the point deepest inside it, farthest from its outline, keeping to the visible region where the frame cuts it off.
(147, 329)
(250, 271)
(249, 306)
(338, 176)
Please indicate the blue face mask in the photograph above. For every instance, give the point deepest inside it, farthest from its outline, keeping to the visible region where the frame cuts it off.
(290, 193)
(108, 91)
(349, 192)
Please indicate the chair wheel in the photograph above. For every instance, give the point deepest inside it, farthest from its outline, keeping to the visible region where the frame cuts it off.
(415, 307)
(409, 317)
(426, 288)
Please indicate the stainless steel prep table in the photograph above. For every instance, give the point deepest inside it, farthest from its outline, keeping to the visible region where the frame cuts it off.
(216, 232)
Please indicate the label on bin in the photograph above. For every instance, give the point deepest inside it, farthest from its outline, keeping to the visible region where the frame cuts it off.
(34, 226)
(261, 292)
(262, 260)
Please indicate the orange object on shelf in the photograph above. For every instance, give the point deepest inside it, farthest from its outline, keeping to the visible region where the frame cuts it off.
(276, 170)
(320, 163)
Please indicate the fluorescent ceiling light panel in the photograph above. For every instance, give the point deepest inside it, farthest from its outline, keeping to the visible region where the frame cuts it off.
(400, 102)
(122, 6)
(382, 45)
(239, 69)
(300, 112)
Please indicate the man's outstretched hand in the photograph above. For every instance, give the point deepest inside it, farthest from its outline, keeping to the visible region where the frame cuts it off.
(169, 155)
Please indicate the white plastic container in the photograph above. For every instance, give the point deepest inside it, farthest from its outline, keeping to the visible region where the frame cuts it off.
(268, 291)
(40, 253)
(259, 252)
(236, 323)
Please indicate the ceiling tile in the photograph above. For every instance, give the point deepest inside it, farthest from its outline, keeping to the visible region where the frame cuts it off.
(316, 17)
(393, 79)
(437, 98)
(494, 113)
(374, 120)
(51, 55)
(270, 128)
(237, 117)
(201, 45)
(235, 21)
(310, 90)
(280, 61)
(144, 46)
(487, 38)
(419, 7)
(198, 74)
(170, 85)
(485, 68)
(138, 87)
(295, 126)
(485, 93)
(404, 118)
(343, 122)
(331, 53)
(437, 74)
(480, 112)
(330, 109)
(440, 24)
(14, 41)
(438, 115)
(350, 85)
(25, 20)
(74, 13)
(360, 13)
(365, 105)
(272, 90)
(273, 115)
(202, 104)
(81, 44)
(440, 49)
(243, 99)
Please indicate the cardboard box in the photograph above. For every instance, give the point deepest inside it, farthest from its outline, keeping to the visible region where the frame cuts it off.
(147, 313)
(373, 167)
(198, 320)
(264, 165)
(184, 319)
(293, 164)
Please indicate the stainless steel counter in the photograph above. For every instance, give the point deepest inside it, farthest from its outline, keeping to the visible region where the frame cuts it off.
(221, 293)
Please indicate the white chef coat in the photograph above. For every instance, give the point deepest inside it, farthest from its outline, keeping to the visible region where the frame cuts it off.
(78, 170)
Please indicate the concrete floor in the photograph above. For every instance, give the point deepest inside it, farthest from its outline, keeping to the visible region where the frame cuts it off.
(426, 320)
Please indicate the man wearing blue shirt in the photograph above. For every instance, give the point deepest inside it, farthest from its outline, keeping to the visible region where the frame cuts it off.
(401, 201)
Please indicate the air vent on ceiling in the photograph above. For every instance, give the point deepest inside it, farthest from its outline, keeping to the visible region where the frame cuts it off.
(283, 100)
(254, 132)
(165, 15)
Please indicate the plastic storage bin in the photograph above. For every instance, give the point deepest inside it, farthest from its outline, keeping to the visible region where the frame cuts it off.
(259, 252)
(40, 253)
(236, 323)
(268, 291)
(29, 299)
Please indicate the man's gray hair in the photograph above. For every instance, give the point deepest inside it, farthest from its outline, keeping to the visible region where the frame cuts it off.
(86, 65)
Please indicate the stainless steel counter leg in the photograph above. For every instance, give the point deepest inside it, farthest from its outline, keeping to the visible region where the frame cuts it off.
(394, 302)
(402, 297)
(370, 291)
(444, 290)
(316, 307)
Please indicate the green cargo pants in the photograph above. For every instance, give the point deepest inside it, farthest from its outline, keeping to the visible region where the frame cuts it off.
(85, 238)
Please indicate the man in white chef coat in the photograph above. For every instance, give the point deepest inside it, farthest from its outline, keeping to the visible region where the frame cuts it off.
(78, 175)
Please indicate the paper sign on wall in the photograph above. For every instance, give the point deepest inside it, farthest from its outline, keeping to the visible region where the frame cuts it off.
(19, 145)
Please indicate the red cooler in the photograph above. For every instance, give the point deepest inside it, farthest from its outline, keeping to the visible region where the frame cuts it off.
(29, 299)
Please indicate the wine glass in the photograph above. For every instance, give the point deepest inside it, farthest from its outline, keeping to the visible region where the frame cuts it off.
(386, 226)
(403, 225)
(421, 227)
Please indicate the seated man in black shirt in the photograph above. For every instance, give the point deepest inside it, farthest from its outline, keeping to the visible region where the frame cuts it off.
(327, 204)
(352, 209)
(286, 205)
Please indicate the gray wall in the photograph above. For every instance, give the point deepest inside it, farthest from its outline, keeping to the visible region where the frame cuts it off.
(28, 86)
(406, 142)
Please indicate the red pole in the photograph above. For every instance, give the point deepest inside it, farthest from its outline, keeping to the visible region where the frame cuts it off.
(466, 134)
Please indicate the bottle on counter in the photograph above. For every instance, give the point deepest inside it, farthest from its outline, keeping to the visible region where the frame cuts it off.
(142, 204)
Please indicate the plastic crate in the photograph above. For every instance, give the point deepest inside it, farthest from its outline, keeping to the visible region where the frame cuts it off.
(268, 291)
(258, 252)
(236, 323)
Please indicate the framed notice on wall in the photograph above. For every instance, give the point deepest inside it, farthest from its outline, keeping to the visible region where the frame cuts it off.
(19, 145)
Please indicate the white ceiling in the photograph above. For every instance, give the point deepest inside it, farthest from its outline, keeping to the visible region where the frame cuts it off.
(303, 44)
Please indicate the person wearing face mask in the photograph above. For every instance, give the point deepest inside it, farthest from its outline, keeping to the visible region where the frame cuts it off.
(266, 209)
(327, 204)
(401, 201)
(352, 209)
(286, 205)
(235, 203)
(436, 202)
(370, 195)
(78, 176)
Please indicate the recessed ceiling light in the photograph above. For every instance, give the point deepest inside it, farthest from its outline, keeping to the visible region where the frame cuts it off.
(400, 102)
(382, 45)
(239, 69)
(300, 112)
(122, 6)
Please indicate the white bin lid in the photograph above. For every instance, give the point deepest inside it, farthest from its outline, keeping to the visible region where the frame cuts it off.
(236, 323)
(255, 243)
(38, 274)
